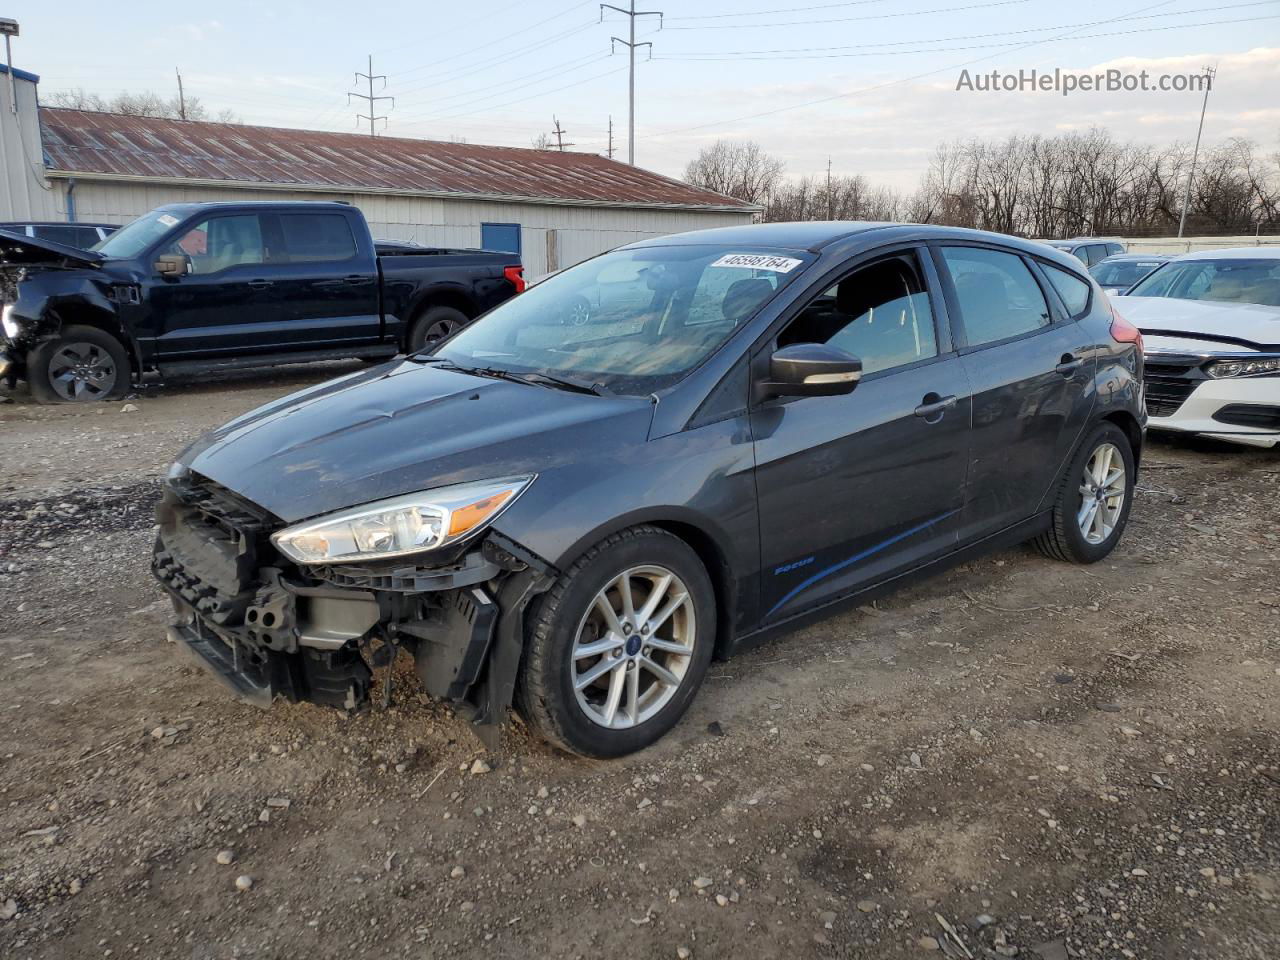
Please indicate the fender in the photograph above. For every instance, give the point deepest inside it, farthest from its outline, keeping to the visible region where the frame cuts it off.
(48, 299)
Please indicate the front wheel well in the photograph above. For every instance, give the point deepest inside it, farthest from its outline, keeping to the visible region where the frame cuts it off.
(718, 570)
(99, 319)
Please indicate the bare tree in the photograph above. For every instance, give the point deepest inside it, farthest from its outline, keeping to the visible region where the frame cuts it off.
(737, 168)
(145, 104)
(543, 142)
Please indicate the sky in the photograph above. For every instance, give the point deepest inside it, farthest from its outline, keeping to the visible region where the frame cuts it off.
(869, 86)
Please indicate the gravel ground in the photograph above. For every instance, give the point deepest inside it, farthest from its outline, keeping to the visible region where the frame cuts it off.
(1018, 759)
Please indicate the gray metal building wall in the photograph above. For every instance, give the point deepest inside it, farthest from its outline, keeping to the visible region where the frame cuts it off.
(553, 236)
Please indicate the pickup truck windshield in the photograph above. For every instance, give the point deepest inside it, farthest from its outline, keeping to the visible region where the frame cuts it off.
(1225, 280)
(633, 321)
(134, 237)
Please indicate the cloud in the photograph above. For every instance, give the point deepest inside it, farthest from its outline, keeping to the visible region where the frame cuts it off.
(889, 134)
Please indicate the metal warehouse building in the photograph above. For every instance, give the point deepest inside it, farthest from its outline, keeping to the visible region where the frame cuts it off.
(554, 209)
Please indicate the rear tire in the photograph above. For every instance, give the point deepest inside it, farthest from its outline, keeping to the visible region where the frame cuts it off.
(81, 365)
(597, 682)
(434, 325)
(1095, 493)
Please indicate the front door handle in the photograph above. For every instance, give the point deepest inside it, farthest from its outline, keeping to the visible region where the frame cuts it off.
(261, 284)
(933, 406)
(1069, 364)
(357, 278)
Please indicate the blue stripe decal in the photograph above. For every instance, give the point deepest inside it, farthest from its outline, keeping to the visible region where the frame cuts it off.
(822, 574)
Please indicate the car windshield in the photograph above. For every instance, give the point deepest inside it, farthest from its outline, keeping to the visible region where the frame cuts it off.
(1122, 273)
(1225, 280)
(135, 236)
(632, 321)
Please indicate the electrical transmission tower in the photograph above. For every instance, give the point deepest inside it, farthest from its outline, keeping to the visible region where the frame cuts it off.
(372, 117)
(631, 45)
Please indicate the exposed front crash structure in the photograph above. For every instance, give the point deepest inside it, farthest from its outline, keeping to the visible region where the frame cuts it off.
(267, 627)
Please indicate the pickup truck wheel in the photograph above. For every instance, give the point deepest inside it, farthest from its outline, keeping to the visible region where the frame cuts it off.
(434, 325)
(619, 645)
(82, 365)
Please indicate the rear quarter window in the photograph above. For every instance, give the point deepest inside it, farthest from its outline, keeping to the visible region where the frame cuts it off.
(1073, 290)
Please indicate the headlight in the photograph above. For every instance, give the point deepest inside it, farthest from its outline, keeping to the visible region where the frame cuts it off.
(414, 523)
(10, 325)
(1224, 369)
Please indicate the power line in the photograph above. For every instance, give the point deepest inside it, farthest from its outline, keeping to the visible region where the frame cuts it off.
(978, 46)
(738, 54)
(373, 117)
(891, 83)
(631, 13)
(761, 13)
(874, 16)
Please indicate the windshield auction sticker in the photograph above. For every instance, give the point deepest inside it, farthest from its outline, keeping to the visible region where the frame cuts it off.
(758, 261)
(167, 219)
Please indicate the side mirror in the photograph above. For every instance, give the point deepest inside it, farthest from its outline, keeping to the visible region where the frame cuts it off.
(812, 370)
(171, 265)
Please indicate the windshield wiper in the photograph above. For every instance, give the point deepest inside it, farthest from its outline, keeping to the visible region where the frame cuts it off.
(533, 378)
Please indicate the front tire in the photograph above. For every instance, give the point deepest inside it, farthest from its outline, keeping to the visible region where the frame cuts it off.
(1093, 500)
(435, 324)
(619, 646)
(81, 365)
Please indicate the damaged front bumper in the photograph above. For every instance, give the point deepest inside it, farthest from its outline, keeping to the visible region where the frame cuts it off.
(268, 628)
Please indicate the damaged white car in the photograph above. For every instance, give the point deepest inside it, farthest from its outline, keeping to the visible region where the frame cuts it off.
(1211, 327)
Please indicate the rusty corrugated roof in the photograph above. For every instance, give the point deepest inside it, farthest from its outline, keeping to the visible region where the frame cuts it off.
(113, 145)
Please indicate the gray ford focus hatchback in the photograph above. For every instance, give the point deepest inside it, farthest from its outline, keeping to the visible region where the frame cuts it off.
(573, 512)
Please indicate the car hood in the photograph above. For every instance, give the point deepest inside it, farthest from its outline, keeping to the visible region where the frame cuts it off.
(404, 427)
(19, 250)
(1247, 325)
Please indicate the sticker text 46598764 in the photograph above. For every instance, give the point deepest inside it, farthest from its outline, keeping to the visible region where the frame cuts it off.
(758, 261)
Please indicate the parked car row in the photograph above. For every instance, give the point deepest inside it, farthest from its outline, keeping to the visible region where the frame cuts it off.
(202, 286)
(82, 235)
(657, 457)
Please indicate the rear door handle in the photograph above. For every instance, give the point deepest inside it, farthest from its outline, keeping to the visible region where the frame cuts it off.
(357, 278)
(934, 406)
(1069, 365)
(261, 284)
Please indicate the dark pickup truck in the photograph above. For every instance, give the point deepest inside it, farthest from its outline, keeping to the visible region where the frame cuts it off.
(200, 286)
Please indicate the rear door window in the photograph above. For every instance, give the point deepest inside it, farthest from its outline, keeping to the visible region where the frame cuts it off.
(317, 237)
(997, 294)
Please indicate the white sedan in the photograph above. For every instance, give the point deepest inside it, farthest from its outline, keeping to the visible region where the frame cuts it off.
(1210, 324)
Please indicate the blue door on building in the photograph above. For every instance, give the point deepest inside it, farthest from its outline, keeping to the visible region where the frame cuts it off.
(500, 236)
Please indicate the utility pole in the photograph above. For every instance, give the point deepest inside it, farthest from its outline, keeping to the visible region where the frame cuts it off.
(610, 136)
(182, 100)
(370, 98)
(831, 210)
(559, 132)
(1209, 74)
(631, 45)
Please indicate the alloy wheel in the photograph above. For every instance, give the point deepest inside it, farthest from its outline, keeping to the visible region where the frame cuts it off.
(580, 313)
(633, 647)
(1102, 493)
(82, 371)
(438, 331)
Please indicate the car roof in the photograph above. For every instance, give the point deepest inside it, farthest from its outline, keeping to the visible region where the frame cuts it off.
(813, 236)
(186, 208)
(1235, 253)
(800, 235)
(1139, 256)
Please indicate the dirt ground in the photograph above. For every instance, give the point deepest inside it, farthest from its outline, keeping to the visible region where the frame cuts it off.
(1020, 758)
